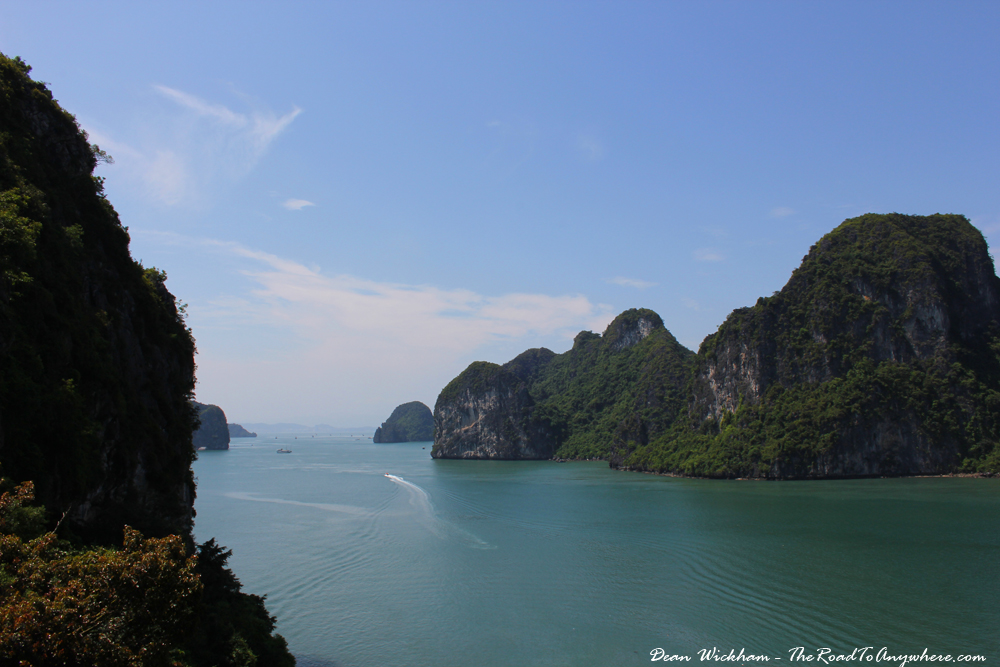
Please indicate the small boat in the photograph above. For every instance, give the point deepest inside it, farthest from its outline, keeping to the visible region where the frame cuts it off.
(284, 451)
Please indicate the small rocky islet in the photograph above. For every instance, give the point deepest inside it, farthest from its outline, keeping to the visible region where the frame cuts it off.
(409, 422)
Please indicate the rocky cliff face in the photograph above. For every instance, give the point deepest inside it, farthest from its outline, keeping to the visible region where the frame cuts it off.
(541, 404)
(879, 357)
(486, 413)
(882, 287)
(96, 363)
(409, 422)
(212, 431)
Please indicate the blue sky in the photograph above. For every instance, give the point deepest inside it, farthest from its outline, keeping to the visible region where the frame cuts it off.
(358, 199)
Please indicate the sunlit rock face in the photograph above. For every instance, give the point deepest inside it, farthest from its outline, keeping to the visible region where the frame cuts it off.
(486, 413)
(881, 294)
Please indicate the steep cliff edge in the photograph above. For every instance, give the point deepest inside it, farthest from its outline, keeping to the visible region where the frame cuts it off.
(409, 422)
(212, 431)
(879, 357)
(542, 404)
(96, 363)
(96, 377)
(486, 413)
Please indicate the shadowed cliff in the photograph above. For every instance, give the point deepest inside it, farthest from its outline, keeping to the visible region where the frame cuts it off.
(96, 363)
(213, 432)
(409, 422)
(96, 377)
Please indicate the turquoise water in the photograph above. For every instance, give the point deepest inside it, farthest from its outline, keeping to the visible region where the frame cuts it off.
(541, 563)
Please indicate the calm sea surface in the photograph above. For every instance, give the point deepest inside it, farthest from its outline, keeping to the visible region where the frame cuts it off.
(479, 563)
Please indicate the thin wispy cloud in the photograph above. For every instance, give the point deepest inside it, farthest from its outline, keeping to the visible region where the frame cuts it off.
(296, 204)
(339, 344)
(708, 255)
(456, 319)
(283, 292)
(631, 282)
(691, 303)
(782, 212)
(261, 126)
(202, 107)
(184, 151)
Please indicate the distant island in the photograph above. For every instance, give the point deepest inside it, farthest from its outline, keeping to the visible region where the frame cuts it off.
(880, 356)
(318, 429)
(213, 432)
(409, 422)
(237, 431)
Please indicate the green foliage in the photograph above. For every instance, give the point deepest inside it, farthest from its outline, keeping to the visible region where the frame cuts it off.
(99, 606)
(232, 628)
(589, 391)
(409, 422)
(476, 378)
(18, 235)
(848, 351)
(96, 375)
(880, 356)
(636, 370)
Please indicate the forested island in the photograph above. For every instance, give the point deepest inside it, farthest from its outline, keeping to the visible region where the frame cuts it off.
(237, 431)
(880, 356)
(212, 431)
(97, 560)
(409, 422)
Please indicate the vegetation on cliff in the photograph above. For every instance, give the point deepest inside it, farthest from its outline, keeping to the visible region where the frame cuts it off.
(636, 369)
(409, 422)
(237, 431)
(570, 404)
(61, 604)
(96, 363)
(96, 377)
(212, 431)
(881, 356)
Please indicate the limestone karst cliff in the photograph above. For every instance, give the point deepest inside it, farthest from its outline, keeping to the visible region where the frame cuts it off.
(96, 363)
(541, 404)
(879, 357)
(409, 422)
(212, 431)
(96, 376)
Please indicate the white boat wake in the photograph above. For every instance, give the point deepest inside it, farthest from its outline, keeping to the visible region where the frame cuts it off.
(438, 526)
(327, 507)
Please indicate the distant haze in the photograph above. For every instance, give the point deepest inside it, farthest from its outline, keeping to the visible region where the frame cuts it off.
(300, 428)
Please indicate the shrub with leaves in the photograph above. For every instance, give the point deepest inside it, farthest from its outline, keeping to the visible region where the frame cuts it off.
(65, 606)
